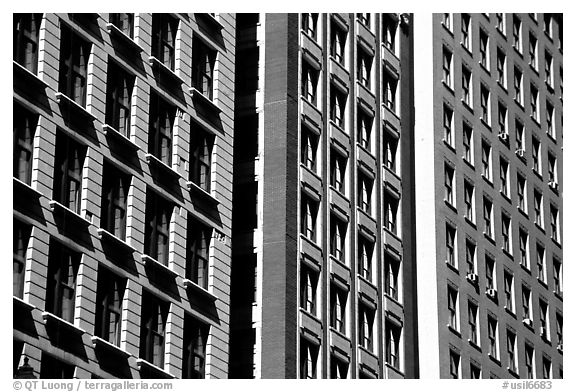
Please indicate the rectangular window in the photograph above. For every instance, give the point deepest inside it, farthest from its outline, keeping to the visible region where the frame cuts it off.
(469, 201)
(364, 19)
(509, 291)
(25, 123)
(390, 146)
(337, 106)
(521, 183)
(308, 358)
(21, 237)
(518, 86)
(365, 192)
(365, 327)
(338, 299)
(389, 29)
(501, 67)
(454, 365)
(473, 322)
(475, 371)
(194, 352)
(485, 104)
(484, 52)
(470, 257)
(468, 142)
(308, 284)
(511, 349)
(448, 114)
(73, 74)
(119, 98)
(490, 281)
(519, 138)
(502, 121)
(124, 23)
(309, 82)
(391, 272)
(493, 337)
(546, 368)
(109, 298)
(63, 266)
(548, 24)
(337, 170)
(337, 238)
(389, 84)
(447, 21)
(365, 248)
(540, 262)
(448, 184)
(53, 368)
(337, 43)
(466, 86)
(160, 129)
(26, 37)
(451, 245)
(466, 30)
(529, 361)
(500, 24)
(559, 329)
(364, 67)
(486, 161)
(488, 217)
(201, 145)
(534, 103)
(390, 212)
(157, 232)
(198, 248)
(504, 184)
(550, 123)
(393, 333)
(164, 30)
(538, 208)
(523, 245)
(548, 70)
(310, 24)
(533, 51)
(338, 368)
(68, 167)
(153, 329)
(308, 213)
(453, 308)
(364, 130)
(506, 233)
(447, 66)
(115, 188)
(308, 146)
(544, 325)
(557, 275)
(526, 304)
(203, 62)
(554, 223)
(517, 33)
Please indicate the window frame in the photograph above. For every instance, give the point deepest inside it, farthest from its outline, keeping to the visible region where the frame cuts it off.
(24, 124)
(154, 318)
(158, 218)
(75, 54)
(63, 267)
(163, 40)
(203, 68)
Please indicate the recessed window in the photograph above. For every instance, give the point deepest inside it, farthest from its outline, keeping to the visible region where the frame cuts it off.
(310, 24)
(501, 67)
(554, 223)
(518, 86)
(447, 20)
(519, 138)
(548, 70)
(338, 299)
(470, 257)
(526, 304)
(68, 167)
(195, 341)
(364, 130)
(488, 217)
(203, 62)
(521, 190)
(365, 249)
(448, 117)
(546, 367)
(534, 103)
(557, 275)
(475, 371)
(25, 123)
(502, 120)
(365, 326)
(160, 129)
(74, 55)
(157, 231)
(449, 184)
(364, 194)
(198, 248)
(466, 86)
(473, 322)
(548, 24)
(469, 201)
(468, 142)
(308, 214)
(26, 38)
(63, 265)
(484, 51)
(337, 43)
(559, 329)
(338, 368)
(454, 365)
(390, 146)
(337, 107)
(490, 275)
(124, 23)
(53, 368)
(309, 82)
(538, 208)
(451, 245)
(308, 285)
(511, 350)
(544, 324)
(308, 147)
(493, 346)
(541, 262)
(389, 84)
(550, 126)
(506, 233)
(115, 188)
(392, 343)
(504, 183)
(500, 22)
(308, 359)
(201, 144)
(364, 67)
(337, 170)
(364, 19)
(523, 246)
(485, 104)
(447, 66)
(337, 238)
(153, 329)
(453, 313)
(390, 213)
(509, 291)
(389, 30)
(486, 160)
(465, 20)
(391, 274)
(21, 237)
(529, 361)
(533, 51)
(109, 299)
(517, 33)
(164, 30)
(118, 99)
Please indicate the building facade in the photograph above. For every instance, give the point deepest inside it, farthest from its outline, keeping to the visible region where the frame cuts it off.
(323, 219)
(123, 137)
(490, 279)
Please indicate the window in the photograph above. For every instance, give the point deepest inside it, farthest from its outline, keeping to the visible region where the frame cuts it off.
(453, 308)
(448, 183)
(548, 75)
(454, 365)
(68, 167)
(198, 248)
(364, 130)
(21, 237)
(337, 106)
(469, 201)
(390, 146)
(308, 284)
(538, 208)
(338, 368)
(153, 329)
(504, 185)
(473, 322)
(540, 262)
(109, 298)
(533, 51)
(308, 146)
(559, 329)
(466, 30)
(500, 22)
(509, 291)
(390, 212)
(391, 272)
(124, 23)
(490, 281)
(365, 324)
(519, 137)
(544, 325)
(493, 337)
(534, 103)
(468, 142)
(194, 350)
(389, 84)
(521, 183)
(115, 188)
(506, 233)
(365, 192)
(392, 343)
(526, 305)
(164, 30)
(554, 223)
(484, 52)
(337, 43)
(486, 161)
(501, 67)
(389, 29)
(310, 24)
(74, 54)
(201, 144)
(550, 126)
(470, 257)
(51, 367)
(118, 99)
(488, 217)
(309, 82)
(308, 358)
(447, 21)
(466, 86)
(518, 86)
(557, 275)
(157, 232)
(365, 248)
(448, 113)
(450, 245)
(337, 238)
(338, 299)
(447, 66)
(203, 61)
(475, 371)
(546, 367)
(26, 38)
(517, 33)
(308, 212)
(23, 138)
(160, 128)
(548, 24)
(511, 349)
(337, 170)
(63, 267)
(364, 67)
(502, 120)
(364, 19)
(523, 245)
(485, 104)
(529, 361)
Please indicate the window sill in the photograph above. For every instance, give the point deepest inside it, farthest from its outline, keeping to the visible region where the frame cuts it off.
(470, 222)
(153, 370)
(450, 146)
(100, 344)
(467, 106)
(21, 188)
(519, 104)
(539, 227)
(118, 34)
(558, 244)
(513, 372)
(195, 188)
(160, 166)
(542, 283)
(551, 137)
(211, 19)
(118, 245)
(474, 345)
(453, 267)
(495, 360)
(484, 67)
(163, 70)
(35, 83)
(518, 52)
(63, 325)
(448, 86)
(67, 103)
(490, 238)
(20, 303)
(526, 269)
(466, 47)
(467, 162)
(488, 180)
(523, 212)
(157, 267)
(454, 330)
(190, 285)
(450, 206)
(505, 196)
(507, 253)
(58, 208)
(559, 295)
(204, 100)
(486, 123)
(119, 138)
